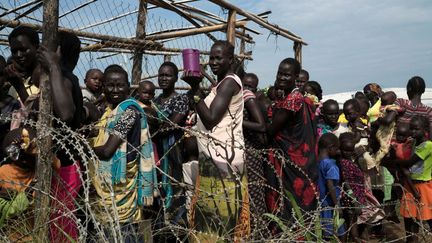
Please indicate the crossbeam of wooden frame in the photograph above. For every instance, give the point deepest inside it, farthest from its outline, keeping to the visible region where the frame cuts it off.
(272, 27)
(163, 4)
(101, 37)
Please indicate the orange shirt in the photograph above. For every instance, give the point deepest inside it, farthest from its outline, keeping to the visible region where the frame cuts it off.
(14, 178)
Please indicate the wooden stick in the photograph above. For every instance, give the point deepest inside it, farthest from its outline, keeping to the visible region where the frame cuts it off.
(140, 34)
(298, 51)
(202, 12)
(76, 8)
(231, 26)
(173, 3)
(263, 15)
(35, 19)
(147, 43)
(163, 4)
(240, 35)
(242, 47)
(45, 156)
(196, 31)
(20, 7)
(274, 28)
(217, 18)
(32, 9)
(155, 51)
(148, 52)
(171, 30)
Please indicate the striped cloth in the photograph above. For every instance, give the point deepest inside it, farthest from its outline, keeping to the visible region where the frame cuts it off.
(247, 94)
(133, 182)
(411, 110)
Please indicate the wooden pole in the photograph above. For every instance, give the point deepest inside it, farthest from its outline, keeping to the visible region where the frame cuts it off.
(163, 4)
(231, 27)
(240, 35)
(100, 47)
(217, 18)
(140, 34)
(45, 157)
(298, 51)
(15, 23)
(197, 31)
(274, 28)
(77, 8)
(29, 17)
(25, 5)
(26, 13)
(242, 47)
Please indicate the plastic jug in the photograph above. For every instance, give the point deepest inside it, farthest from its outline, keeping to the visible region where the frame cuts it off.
(191, 61)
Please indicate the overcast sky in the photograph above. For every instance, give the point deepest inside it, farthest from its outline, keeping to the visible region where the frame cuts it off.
(351, 42)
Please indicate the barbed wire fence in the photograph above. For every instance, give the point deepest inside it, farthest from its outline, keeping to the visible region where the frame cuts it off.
(21, 229)
(107, 30)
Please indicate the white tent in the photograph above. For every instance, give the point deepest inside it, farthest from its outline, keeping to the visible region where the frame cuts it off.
(400, 92)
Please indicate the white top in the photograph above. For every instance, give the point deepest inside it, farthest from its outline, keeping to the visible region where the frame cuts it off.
(224, 143)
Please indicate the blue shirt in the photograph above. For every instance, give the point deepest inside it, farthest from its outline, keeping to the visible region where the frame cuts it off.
(328, 170)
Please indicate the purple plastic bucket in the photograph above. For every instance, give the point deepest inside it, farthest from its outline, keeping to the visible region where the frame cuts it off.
(191, 61)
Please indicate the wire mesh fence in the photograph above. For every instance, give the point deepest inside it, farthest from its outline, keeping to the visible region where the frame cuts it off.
(101, 19)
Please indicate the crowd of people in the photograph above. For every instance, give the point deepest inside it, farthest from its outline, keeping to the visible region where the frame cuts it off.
(216, 159)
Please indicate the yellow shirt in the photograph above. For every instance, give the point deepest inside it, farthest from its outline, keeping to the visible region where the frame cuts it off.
(343, 120)
(30, 88)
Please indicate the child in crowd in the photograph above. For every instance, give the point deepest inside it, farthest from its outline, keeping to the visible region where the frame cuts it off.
(329, 119)
(387, 123)
(420, 164)
(313, 91)
(361, 206)
(146, 94)
(303, 77)
(8, 104)
(18, 170)
(364, 108)
(329, 184)
(16, 177)
(402, 148)
(93, 91)
(352, 110)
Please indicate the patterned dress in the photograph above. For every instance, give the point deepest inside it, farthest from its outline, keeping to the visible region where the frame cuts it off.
(170, 146)
(255, 168)
(129, 174)
(361, 196)
(293, 159)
